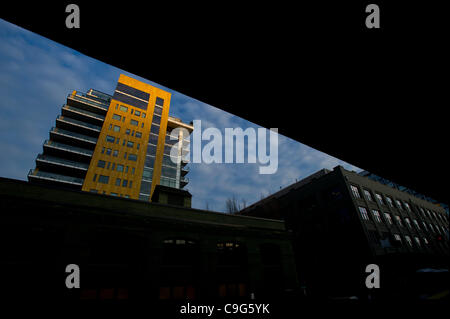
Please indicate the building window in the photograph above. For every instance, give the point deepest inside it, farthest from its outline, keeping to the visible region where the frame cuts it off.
(154, 129)
(117, 141)
(125, 183)
(158, 110)
(399, 204)
(408, 222)
(134, 122)
(137, 113)
(103, 179)
(113, 166)
(108, 151)
(118, 181)
(127, 131)
(389, 200)
(101, 164)
(116, 117)
(113, 194)
(380, 198)
(142, 125)
(425, 226)
(138, 134)
(103, 150)
(153, 139)
(363, 213)
(116, 128)
(156, 119)
(137, 146)
(108, 165)
(94, 191)
(126, 169)
(159, 101)
(398, 238)
(132, 157)
(94, 178)
(130, 144)
(388, 218)
(110, 138)
(132, 171)
(416, 223)
(115, 153)
(422, 211)
(368, 195)
(119, 168)
(399, 220)
(123, 108)
(376, 215)
(130, 184)
(355, 191)
(407, 206)
(143, 115)
(408, 239)
(432, 228)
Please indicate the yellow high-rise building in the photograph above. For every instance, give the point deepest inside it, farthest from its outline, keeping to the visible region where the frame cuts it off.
(117, 145)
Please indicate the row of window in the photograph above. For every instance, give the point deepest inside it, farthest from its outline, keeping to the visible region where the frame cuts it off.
(130, 144)
(124, 108)
(118, 167)
(115, 153)
(116, 128)
(104, 179)
(388, 219)
(119, 118)
(398, 204)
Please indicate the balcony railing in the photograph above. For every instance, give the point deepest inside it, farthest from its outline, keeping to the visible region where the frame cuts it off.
(84, 112)
(32, 174)
(68, 148)
(62, 162)
(60, 131)
(184, 181)
(84, 98)
(79, 123)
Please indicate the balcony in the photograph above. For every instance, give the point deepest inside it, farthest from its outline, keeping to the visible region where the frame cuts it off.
(82, 115)
(86, 102)
(184, 181)
(52, 178)
(74, 153)
(72, 138)
(47, 161)
(67, 123)
(185, 170)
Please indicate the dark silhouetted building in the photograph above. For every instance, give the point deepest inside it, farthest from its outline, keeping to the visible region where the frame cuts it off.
(342, 222)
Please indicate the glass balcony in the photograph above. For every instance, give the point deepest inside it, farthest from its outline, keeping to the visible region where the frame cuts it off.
(100, 96)
(42, 175)
(79, 123)
(86, 99)
(185, 170)
(62, 162)
(68, 148)
(69, 134)
(84, 112)
(184, 181)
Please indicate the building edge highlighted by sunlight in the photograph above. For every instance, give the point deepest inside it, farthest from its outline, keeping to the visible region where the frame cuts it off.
(119, 145)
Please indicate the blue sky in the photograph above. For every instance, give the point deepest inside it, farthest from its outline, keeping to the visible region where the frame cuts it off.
(37, 75)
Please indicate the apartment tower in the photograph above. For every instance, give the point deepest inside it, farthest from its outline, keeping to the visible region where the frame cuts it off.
(120, 145)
